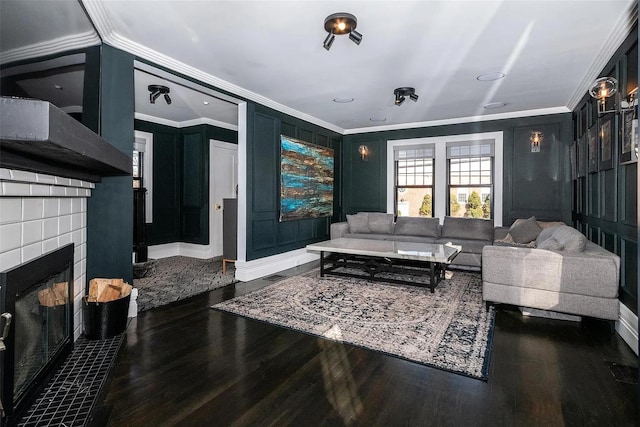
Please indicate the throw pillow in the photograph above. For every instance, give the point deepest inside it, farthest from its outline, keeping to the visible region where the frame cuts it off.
(525, 231)
(570, 238)
(413, 226)
(381, 223)
(546, 233)
(550, 244)
(358, 223)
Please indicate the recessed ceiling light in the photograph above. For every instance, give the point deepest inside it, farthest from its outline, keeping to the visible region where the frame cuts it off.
(57, 87)
(490, 77)
(493, 105)
(205, 102)
(378, 119)
(343, 100)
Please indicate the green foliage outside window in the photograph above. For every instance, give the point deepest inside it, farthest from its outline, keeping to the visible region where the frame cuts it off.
(427, 206)
(486, 208)
(474, 206)
(454, 206)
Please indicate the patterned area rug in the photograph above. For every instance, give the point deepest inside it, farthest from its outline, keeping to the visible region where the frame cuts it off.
(176, 278)
(449, 329)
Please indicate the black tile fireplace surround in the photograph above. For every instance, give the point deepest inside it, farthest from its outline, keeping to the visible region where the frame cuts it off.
(39, 296)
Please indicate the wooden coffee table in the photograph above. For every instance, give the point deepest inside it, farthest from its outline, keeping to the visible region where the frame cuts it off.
(373, 257)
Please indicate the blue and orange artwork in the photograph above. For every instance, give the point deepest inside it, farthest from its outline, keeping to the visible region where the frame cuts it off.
(306, 189)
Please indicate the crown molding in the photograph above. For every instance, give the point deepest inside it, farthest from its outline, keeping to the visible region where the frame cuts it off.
(460, 120)
(185, 123)
(51, 47)
(620, 32)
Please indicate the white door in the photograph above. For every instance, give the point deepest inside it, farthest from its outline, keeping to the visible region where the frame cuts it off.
(224, 184)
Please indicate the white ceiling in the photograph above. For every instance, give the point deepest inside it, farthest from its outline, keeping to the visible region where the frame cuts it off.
(271, 52)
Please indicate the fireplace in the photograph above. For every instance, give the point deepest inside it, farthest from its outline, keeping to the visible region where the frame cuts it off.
(39, 296)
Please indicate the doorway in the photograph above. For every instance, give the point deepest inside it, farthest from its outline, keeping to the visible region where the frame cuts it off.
(223, 184)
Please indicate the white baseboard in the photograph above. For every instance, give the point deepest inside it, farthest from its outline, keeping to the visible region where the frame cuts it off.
(627, 327)
(182, 249)
(250, 270)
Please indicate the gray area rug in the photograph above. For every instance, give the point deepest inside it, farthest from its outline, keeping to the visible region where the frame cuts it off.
(176, 278)
(449, 329)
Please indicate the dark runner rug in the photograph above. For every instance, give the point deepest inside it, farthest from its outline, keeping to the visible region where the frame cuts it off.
(449, 329)
(176, 278)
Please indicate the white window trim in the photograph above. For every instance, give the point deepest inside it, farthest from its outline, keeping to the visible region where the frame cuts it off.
(147, 171)
(440, 165)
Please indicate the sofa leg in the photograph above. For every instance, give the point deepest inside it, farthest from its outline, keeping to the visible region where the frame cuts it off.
(612, 326)
(487, 305)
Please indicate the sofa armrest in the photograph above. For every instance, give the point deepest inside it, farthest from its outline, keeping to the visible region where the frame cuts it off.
(339, 229)
(592, 272)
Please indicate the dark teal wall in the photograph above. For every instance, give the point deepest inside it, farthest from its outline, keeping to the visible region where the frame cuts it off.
(605, 201)
(266, 235)
(181, 181)
(110, 207)
(533, 183)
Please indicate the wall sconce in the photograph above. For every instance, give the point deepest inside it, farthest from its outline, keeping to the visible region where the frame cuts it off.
(536, 139)
(606, 87)
(364, 151)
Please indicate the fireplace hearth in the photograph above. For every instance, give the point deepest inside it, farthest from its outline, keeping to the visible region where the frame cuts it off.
(38, 295)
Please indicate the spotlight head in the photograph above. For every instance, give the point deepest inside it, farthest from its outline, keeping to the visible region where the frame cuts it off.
(399, 100)
(413, 97)
(355, 36)
(328, 41)
(153, 96)
(167, 98)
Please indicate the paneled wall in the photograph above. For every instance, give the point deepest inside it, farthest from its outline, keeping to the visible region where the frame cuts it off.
(604, 184)
(181, 181)
(266, 235)
(533, 183)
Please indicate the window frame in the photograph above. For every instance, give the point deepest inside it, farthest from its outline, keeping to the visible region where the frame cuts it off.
(397, 186)
(450, 186)
(440, 196)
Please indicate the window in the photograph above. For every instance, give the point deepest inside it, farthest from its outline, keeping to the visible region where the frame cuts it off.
(460, 165)
(414, 181)
(470, 179)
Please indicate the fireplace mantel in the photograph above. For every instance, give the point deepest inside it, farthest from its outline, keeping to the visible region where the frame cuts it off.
(36, 136)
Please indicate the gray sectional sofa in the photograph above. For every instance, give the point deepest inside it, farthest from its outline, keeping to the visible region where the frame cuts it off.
(545, 266)
(471, 233)
(561, 271)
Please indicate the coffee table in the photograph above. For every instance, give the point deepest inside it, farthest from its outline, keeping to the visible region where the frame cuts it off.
(373, 257)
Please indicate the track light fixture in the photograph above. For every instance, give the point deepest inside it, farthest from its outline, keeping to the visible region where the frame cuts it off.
(156, 90)
(341, 23)
(402, 92)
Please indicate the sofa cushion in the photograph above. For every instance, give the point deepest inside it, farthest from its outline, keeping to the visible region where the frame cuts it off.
(571, 239)
(469, 246)
(524, 231)
(550, 244)
(381, 223)
(467, 228)
(413, 226)
(358, 223)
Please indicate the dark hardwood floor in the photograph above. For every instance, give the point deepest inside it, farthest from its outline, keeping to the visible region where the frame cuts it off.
(186, 364)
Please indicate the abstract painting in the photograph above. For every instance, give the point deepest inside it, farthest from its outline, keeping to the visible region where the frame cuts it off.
(306, 179)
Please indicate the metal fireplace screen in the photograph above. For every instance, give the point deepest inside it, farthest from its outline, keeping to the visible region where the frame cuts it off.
(37, 295)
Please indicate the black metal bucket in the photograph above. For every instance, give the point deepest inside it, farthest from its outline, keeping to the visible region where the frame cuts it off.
(104, 320)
